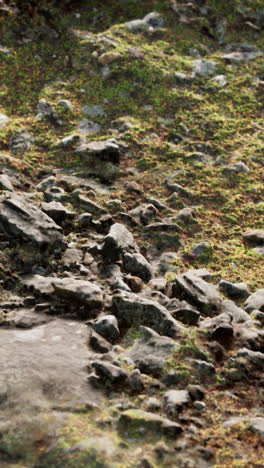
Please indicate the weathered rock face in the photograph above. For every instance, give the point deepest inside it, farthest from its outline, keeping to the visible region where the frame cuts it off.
(70, 289)
(104, 150)
(194, 289)
(21, 218)
(137, 264)
(255, 301)
(131, 309)
(117, 242)
(42, 369)
(144, 421)
(149, 353)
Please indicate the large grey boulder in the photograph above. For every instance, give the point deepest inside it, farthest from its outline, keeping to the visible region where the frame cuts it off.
(132, 309)
(138, 421)
(117, 242)
(255, 301)
(21, 218)
(137, 265)
(194, 289)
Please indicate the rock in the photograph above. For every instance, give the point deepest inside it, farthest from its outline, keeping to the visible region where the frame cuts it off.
(238, 57)
(85, 220)
(46, 184)
(135, 382)
(203, 67)
(4, 120)
(21, 218)
(202, 249)
(21, 143)
(237, 314)
(109, 374)
(234, 290)
(255, 236)
(5, 183)
(120, 284)
(70, 141)
(57, 212)
(132, 309)
(109, 57)
(256, 358)
(89, 205)
(152, 21)
(135, 283)
(206, 369)
(99, 344)
(81, 291)
(93, 111)
(65, 104)
(167, 227)
(167, 262)
(138, 265)
(144, 213)
(186, 315)
(219, 80)
(257, 425)
(223, 334)
(55, 194)
(25, 319)
(107, 327)
(196, 392)
(103, 150)
(46, 110)
(153, 404)
(238, 167)
(118, 242)
(149, 353)
(87, 127)
(72, 257)
(140, 422)
(174, 401)
(255, 301)
(198, 292)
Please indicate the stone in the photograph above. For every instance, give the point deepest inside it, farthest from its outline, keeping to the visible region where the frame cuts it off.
(255, 236)
(5, 183)
(257, 425)
(109, 374)
(202, 249)
(118, 242)
(256, 358)
(55, 194)
(144, 213)
(93, 111)
(174, 401)
(202, 67)
(85, 220)
(223, 334)
(237, 314)
(198, 292)
(70, 141)
(57, 212)
(109, 57)
(83, 292)
(99, 344)
(152, 21)
(107, 327)
(149, 353)
(186, 315)
(135, 283)
(219, 80)
(72, 257)
(135, 382)
(21, 218)
(238, 57)
(167, 262)
(4, 120)
(90, 206)
(65, 104)
(137, 265)
(135, 421)
(21, 143)
(234, 290)
(46, 110)
(87, 127)
(238, 168)
(132, 309)
(46, 184)
(196, 392)
(106, 150)
(255, 301)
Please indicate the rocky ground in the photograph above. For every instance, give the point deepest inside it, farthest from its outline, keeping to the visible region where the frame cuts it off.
(131, 235)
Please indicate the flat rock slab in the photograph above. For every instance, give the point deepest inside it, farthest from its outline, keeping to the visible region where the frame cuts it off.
(81, 291)
(198, 292)
(21, 218)
(138, 422)
(255, 301)
(42, 369)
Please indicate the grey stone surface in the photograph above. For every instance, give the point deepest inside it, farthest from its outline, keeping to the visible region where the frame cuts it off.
(21, 218)
(117, 242)
(137, 265)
